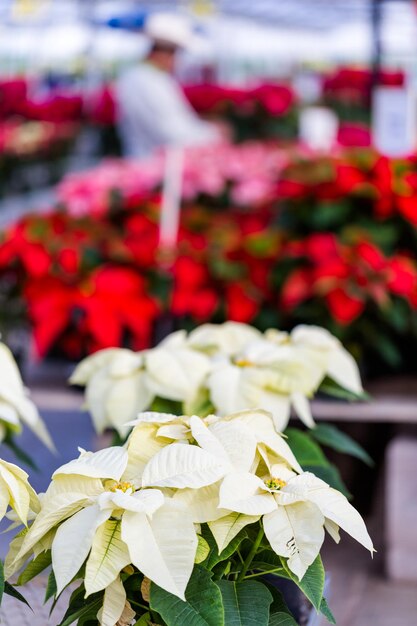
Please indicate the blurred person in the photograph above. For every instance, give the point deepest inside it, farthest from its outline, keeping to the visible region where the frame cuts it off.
(152, 109)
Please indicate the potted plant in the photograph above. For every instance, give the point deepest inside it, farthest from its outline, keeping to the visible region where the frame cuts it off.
(191, 522)
(226, 368)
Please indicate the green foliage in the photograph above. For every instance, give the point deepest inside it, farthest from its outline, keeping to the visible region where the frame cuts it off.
(35, 567)
(203, 550)
(14, 593)
(331, 388)
(325, 610)
(82, 609)
(332, 437)
(213, 557)
(279, 612)
(51, 587)
(268, 561)
(203, 606)
(162, 405)
(312, 583)
(281, 619)
(312, 459)
(246, 603)
(331, 475)
(20, 454)
(144, 620)
(2, 581)
(388, 351)
(306, 450)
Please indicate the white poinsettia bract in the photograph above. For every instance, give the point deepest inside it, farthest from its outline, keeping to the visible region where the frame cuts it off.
(222, 368)
(16, 407)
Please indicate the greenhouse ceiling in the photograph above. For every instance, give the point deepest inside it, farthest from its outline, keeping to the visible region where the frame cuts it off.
(305, 14)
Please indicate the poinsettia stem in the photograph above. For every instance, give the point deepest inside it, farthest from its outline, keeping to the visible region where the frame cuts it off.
(264, 572)
(251, 555)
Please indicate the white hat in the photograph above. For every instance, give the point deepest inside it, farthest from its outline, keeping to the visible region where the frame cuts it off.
(170, 29)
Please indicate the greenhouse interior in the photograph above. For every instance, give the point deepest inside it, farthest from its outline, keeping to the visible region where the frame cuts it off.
(208, 312)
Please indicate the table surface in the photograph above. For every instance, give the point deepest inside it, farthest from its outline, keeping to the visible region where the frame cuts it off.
(393, 400)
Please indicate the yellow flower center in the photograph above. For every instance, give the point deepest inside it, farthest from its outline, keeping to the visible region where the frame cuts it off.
(243, 363)
(275, 484)
(121, 486)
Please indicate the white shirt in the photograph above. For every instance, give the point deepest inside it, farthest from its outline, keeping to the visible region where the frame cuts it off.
(154, 112)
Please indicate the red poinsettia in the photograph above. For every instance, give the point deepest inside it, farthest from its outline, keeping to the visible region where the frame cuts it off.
(193, 293)
(242, 303)
(19, 247)
(110, 302)
(348, 277)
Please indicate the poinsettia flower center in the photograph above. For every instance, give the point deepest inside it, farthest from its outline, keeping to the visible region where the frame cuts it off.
(275, 484)
(243, 363)
(126, 487)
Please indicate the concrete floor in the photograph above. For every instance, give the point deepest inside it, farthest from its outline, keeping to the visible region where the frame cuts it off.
(360, 595)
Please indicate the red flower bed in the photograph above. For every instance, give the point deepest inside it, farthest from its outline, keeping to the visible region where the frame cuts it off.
(356, 81)
(274, 99)
(346, 277)
(330, 240)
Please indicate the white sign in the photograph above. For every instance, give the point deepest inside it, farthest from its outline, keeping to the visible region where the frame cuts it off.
(171, 197)
(394, 128)
(318, 128)
(308, 86)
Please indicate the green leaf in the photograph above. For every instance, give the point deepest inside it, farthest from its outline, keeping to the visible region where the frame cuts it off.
(82, 609)
(246, 603)
(312, 583)
(162, 405)
(51, 587)
(331, 388)
(334, 438)
(203, 550)
(203, 606)
(325, 610)
(282, 619)
(35, 567)
(306, 450)
(278, 603)
(144, 620)
(214, 557)
(2, 581)
(331, 476)
(267, 561)
(200, 404)
(19, 452)
(11, 591)
(388, 351)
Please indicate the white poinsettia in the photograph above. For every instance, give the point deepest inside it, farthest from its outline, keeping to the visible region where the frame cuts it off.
(16, 493)
(326, 351)
(280, 371)
(100, 519)
(121, 383)
(253, 477)
(175, 371)
(116, 387)
(227, 339)
(296, 509)
(224, 445)
(272, 377)
(233, 437)
(230, 366)
(15, 405)
(151, 432)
